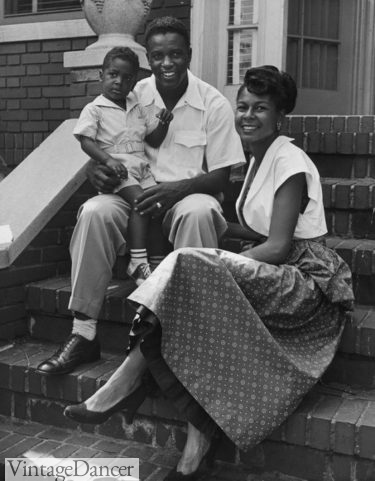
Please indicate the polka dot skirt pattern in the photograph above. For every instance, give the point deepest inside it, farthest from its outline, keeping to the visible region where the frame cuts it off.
(247, 339)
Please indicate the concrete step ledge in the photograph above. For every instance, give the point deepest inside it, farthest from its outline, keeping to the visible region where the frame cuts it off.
(34, 192)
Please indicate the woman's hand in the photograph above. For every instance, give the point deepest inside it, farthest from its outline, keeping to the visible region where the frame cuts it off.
(101, 177)
(236, 230)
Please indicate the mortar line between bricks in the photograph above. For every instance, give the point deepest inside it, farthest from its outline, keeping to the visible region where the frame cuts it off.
(350, 223)
(352, 195)
(332, 427)
(17, 443)
(371, 141)
(353, 471)
(333, 195)
(354, 146)
(356, 447)
(309, 416)
(357, 342)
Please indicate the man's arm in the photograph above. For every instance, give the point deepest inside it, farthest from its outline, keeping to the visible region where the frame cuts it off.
(169, 193)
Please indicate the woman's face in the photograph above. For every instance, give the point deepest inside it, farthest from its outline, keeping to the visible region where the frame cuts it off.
(256, 117)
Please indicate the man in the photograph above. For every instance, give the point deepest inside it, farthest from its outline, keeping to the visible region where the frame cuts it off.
(191, 168)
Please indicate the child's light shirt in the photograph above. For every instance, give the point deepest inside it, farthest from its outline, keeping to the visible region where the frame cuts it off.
(116, 130)
(255, 202)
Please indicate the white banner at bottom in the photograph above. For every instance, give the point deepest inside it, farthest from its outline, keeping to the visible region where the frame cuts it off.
(76, 469)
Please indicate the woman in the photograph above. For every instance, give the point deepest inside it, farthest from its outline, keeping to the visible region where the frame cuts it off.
(243, 337)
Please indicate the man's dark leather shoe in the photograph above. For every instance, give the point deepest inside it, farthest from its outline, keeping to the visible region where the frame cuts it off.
(75, 351)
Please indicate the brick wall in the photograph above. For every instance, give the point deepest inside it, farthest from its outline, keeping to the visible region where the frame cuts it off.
(35, 88)
(34, 94)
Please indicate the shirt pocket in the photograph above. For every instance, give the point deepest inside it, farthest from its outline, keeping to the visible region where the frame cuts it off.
(189, 146)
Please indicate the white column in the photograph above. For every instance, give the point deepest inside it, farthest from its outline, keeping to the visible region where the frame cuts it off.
(272, 32)
(363, 88)
(209, 40)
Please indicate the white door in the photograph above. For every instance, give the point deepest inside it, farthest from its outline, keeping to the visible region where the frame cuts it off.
(320, 54)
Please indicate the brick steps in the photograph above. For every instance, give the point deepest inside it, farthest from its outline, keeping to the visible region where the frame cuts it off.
(48, 301)
(333, 429)
(338, 192)
(349, 193)
(348, 203)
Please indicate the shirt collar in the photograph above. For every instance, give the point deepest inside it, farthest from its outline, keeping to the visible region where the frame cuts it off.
(131, 102)
(191, 96)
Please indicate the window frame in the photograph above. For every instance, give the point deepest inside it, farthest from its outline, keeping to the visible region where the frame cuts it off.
(236, 28)
(302, 39)
(14, 19)
(209, 26)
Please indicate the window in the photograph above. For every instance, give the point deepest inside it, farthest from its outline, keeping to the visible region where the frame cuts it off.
(25, 7)
(313, 43)
(242, 36)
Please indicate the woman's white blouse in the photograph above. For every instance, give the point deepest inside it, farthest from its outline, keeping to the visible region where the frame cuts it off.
(255, 202)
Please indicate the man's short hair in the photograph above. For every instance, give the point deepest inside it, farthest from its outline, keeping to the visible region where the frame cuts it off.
(124, 53)
(165, 25)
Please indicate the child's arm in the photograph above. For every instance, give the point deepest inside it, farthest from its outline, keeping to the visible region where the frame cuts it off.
(90, 147)
(156, 137)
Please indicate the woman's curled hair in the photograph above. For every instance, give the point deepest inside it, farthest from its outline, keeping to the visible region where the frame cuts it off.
(269, 80)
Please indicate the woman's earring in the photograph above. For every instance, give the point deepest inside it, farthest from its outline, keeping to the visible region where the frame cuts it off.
(278, 125)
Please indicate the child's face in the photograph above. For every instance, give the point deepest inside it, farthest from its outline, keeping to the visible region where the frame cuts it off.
(118, 79)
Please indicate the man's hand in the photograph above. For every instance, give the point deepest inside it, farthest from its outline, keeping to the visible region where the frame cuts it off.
(156, 200)
(101, 177)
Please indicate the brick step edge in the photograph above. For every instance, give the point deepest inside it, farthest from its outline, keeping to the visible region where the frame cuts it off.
(358, 253)
(331, 418)
(338, 193)
(346, 368)
(358, 338)
(51, 297)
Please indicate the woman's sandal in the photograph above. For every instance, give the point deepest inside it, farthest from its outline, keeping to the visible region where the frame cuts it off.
(80, 413)
(209, 458)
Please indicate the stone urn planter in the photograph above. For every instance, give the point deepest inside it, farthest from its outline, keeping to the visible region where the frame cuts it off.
(116, 22)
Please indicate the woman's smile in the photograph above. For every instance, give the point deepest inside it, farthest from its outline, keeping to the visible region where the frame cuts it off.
(256, 117)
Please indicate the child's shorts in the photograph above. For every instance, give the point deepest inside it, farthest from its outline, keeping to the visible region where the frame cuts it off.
(139, 171)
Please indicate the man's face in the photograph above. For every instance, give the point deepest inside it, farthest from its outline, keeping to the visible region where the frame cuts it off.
(169, 59)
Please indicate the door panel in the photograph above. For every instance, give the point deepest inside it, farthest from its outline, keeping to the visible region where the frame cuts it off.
(320, 54)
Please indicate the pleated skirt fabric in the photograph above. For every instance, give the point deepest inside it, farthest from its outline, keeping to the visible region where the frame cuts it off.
(246, 339)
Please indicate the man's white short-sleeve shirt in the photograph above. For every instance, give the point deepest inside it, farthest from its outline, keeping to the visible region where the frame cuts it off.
(201, 137)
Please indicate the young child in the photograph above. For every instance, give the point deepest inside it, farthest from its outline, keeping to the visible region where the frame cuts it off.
(112, 130)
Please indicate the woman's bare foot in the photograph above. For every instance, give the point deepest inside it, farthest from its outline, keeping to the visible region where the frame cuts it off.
(195, 449)
(123, 382)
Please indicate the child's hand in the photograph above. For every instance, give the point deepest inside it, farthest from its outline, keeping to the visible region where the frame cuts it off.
(119, 169)
(165, 116)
